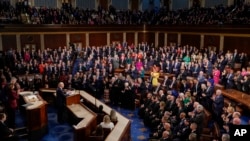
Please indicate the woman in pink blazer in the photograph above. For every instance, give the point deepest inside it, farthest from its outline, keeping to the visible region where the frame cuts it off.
(216, 75)
(138, 65)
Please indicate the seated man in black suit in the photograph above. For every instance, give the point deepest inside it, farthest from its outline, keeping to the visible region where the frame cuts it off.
(6, 133)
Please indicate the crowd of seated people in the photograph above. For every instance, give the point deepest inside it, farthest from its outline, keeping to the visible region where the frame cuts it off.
(68, 15)
(166, 102)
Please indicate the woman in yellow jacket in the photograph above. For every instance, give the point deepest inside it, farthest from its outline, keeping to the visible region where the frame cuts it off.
(155, 75)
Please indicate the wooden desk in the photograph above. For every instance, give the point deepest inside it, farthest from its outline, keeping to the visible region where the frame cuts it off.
(87, 118)
(36, 114)
(48, 94)
(121, 131)
(48, 90)
(117, 71)
(237, 96)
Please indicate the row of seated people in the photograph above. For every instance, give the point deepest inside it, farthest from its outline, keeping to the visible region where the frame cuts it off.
(70, 15)
(105, 126)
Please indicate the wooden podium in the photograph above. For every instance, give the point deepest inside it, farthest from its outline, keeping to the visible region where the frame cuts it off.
(36, 115)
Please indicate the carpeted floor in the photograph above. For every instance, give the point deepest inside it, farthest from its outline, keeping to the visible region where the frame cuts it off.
(64, 132)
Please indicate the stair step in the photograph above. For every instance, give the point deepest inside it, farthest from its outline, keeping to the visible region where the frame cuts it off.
(23, 135)
(20, 128)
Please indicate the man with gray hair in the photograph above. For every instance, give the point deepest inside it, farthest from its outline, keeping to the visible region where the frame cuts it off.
(218, 104)
(198, 118)
(225, 137)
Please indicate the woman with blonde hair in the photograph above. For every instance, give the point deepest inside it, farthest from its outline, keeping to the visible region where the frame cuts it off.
(107, 122)
(113, 116)
(155, 75)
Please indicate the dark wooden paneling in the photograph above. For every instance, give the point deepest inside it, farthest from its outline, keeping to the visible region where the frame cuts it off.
(134, 4)
(97, 39)
(233, 29)
(78, 38)
(9, 41)
(239, 43)
(172, 38)
(148, 37)
(116, 37)
(210, 40)
(166, 3)
(191, 40)
(104, 4)
(55, 40)
(31, 39)
(161, 39)
(130, 37)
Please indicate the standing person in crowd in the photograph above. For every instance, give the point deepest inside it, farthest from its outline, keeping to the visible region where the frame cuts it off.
(61, 103)
(113, 116)
(155, 75)
(127, 98)
(230, 79)
(218, 104)
(197, 118)
(12, 92)
(6, 133)
(216, 75)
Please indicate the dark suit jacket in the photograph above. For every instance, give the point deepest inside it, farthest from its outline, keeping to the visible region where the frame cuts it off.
(218, 103)
(4, 131)
(198, 119)
(60, 98)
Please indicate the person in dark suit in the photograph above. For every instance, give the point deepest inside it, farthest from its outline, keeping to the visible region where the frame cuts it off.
(196, 89)
(208, 96)
(61, 103)
(230, 80)
(208, 67)
(165, 136)
(6, 133)
(176, 67)
(218, 105)
(198, 118)
(167, 67)
(245, 84)
(222, 62)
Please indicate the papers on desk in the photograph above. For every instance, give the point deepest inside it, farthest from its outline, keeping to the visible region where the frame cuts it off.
(31, 99)
(34, 105)
(70, 92)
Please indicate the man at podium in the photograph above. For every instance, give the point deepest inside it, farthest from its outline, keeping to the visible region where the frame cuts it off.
(61, 103)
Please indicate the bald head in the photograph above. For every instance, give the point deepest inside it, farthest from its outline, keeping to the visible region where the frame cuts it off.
(61, 85)
(236, 121)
